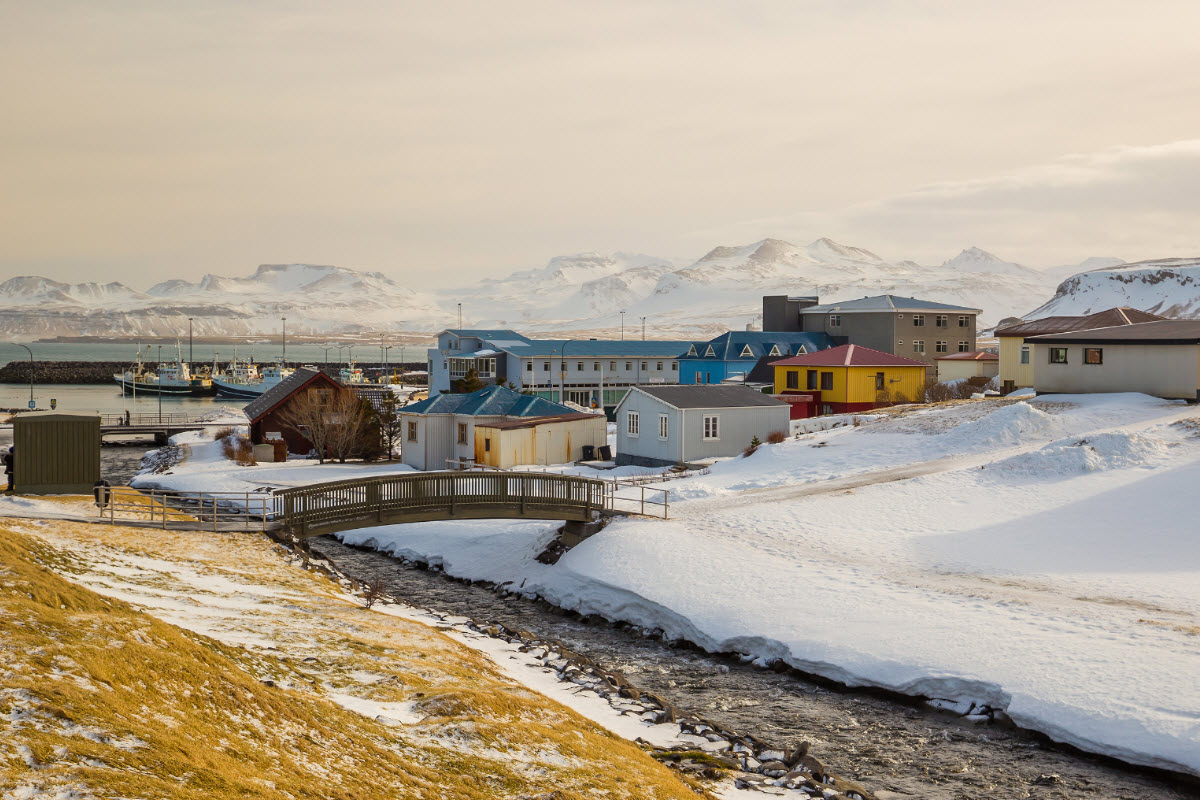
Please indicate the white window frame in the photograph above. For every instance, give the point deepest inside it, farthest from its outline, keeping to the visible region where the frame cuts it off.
(663, 426)
(964, 347)
(941, 346)
(1026, 354)
(710, 352)
(918, 345)
(633, 424)
(691, 350)
(964, 321)
(835, 320)
(918, 320)
(746, 352)
(712, 427)
(774, 351)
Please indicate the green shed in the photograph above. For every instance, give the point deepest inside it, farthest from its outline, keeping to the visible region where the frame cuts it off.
(55, 453)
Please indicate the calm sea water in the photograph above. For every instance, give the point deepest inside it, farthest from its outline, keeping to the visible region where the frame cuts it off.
(204, 353)
(108, 400)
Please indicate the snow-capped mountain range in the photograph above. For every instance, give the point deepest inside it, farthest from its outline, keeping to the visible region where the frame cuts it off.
(584, 294)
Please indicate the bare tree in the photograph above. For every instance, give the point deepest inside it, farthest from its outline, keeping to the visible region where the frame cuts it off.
(310, 415)
(349, 415)
(374, 589)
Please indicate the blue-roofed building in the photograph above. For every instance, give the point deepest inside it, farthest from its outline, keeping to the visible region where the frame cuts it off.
(449, 430)
(588, 372)
(732, 355)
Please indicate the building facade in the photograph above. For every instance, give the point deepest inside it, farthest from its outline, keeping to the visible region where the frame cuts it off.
(588, 372)
(664, 425)
(732, 356)
(959, 366)
(268, 412)
(851, 378)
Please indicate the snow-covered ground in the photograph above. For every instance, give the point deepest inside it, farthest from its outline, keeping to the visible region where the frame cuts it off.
(1038, 557)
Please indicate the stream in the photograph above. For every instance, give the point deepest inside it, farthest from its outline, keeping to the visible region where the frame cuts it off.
(895, 747)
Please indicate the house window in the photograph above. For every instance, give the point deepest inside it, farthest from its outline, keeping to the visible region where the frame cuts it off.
(943, 321)
(644, 367)
(709, 351)
(699, 377)
(612, 366)
(879, 382)
(964, 347)
(774, 350)
(662, 426)
(918, 320)
(1058, 355)
(712, 431)
(812, 379)
(674, 366)
(462, 433)
(835, 321)
(596, 366)
(899, 342)
(918, 345)
(546, 366)
(529, 366)
(691, 350)
(964, 322)
(942, 347)
(634, 426)
(579, 366)
(660, 366)
(628, 366)
(746, 352)
(412, 431)
(1024, 354)
(826, 381)
(793, 379)
(1093, 355)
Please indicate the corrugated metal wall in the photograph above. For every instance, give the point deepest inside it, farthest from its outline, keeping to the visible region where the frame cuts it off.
(56, 453)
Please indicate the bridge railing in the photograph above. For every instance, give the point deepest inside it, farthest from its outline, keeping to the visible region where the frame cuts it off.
(151, 418)
(340, 502)
(215, 511)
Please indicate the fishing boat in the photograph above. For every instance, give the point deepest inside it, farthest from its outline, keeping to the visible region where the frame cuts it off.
(172, 378)
(247, 382)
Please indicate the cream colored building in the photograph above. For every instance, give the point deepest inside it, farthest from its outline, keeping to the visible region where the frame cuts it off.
(957, 366)
(1016, 356)
(1157, 358)
(539, 440)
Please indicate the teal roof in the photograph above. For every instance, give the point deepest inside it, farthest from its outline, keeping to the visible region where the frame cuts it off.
(491, 401)
(596, 348)
(732, 346)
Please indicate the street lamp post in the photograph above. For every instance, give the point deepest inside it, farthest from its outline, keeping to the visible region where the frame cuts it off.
(32, 402)
(284, 331)
(643, 329)
(622, 326)
(385, 349)
(402, 366)
(191, 353)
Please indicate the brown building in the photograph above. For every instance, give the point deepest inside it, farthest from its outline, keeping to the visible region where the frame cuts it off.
(265, 412)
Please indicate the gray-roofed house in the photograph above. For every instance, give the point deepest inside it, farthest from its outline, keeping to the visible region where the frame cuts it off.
(449, 429)
(663, 425)
(266, 411)
(1160, 358)
(902, 326)
(587, 372)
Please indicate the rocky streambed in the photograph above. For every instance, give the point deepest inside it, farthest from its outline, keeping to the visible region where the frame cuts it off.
(776, 729)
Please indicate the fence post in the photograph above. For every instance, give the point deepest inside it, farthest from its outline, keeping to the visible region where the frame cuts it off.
(666, 501)
(643, 499)
(164, 511)
(214, 507)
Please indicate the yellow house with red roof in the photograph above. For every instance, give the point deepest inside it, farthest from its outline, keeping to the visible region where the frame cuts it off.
(851, 378)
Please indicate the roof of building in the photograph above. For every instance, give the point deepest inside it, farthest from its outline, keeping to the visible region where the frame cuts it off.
(1123, 315)
(594, 348)
(732, 346)
(271, 399)
(486, 333)
(849, 355)
(886, 302)
(974, 355)
(1163, 331)
(708, 396)
(491, 401)
(532, 422)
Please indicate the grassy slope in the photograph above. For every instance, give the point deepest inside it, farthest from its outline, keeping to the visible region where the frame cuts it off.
(103, 697)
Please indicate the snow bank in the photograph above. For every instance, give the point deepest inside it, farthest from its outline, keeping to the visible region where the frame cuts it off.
(1006, 426)
(1073, 456)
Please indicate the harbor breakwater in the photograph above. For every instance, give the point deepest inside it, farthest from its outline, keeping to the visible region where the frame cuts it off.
(101, 372)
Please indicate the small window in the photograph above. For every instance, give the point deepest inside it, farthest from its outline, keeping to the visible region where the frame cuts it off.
(746, 352)
(645, 366)
(918, 345)
(835, 321)
(529, 366)
(943, 321)
(1093, 355)
(964, 347)
(712, 429)
(918, 320)
(812, 379)
(826, 381)
(546, 366)
(662, 426)
(596, 366)
(612, 366)
(462, 433)
(964, 322)
(633, 423)
(628, 366)
(942, 347)
(880, 382)
(1025, 354)
(899, 343)
(709, 351)
(699, 377)
(487, 445)
(801, 350)
(674, 366)
(412, 431)
(774, 351)
(793, 379)
(1058, 355)
(660, 366)
(579, 366)
(691, 350)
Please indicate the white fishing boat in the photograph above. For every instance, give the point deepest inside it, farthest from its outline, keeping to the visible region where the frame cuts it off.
(247, 381)
(170, 378)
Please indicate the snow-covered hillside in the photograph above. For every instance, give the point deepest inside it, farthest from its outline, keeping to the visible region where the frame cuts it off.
(1169, 286)
(313, 298)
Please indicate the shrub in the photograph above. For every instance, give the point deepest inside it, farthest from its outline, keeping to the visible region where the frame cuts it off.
(238, 450)
(775, 437)
(224, 433)
(752, 448)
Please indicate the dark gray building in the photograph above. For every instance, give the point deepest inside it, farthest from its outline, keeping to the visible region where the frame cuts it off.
(782, 313)
(902, 326)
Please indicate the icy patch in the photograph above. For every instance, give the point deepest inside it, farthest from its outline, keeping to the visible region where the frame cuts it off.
(387, 713)
(1075, 456)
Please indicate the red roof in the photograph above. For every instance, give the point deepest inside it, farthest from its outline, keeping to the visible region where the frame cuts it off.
(980, 355)
(848, 355)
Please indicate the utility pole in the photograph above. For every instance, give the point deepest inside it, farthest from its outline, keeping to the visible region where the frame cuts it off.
(191, 354)
(622, 326)
(284, 341)
(643, 329)
(460, 315)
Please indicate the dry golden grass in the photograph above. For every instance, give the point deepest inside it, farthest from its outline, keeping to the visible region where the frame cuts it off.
(101, 693)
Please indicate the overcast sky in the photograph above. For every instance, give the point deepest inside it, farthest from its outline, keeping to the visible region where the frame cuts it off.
(439, 142)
